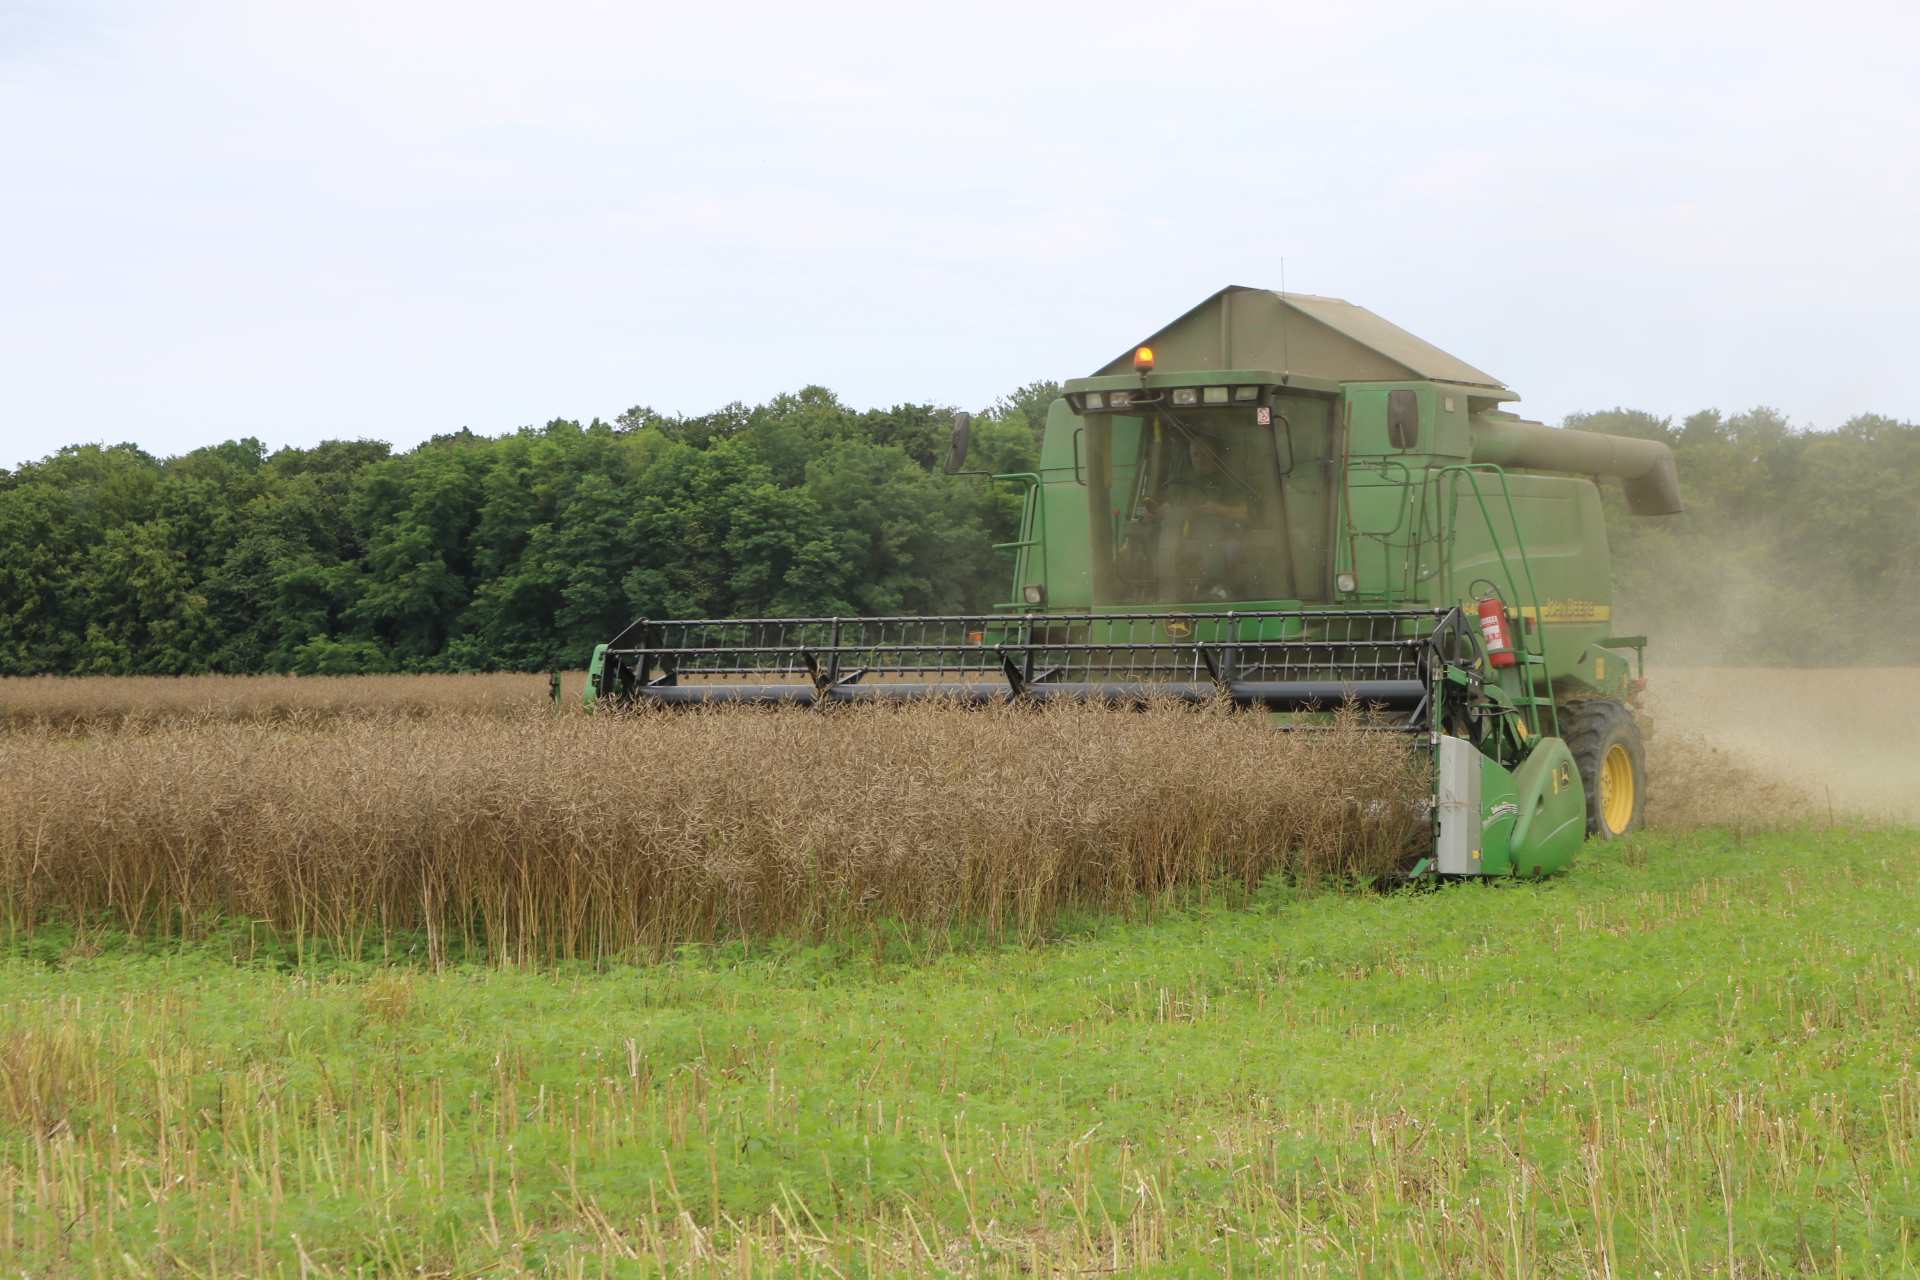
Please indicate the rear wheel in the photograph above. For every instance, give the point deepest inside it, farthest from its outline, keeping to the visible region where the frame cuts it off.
(1613, 766)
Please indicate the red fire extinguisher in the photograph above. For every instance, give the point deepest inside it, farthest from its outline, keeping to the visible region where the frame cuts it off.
(1498, 632)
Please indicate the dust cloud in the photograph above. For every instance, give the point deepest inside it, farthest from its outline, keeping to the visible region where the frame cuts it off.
(1760, 745)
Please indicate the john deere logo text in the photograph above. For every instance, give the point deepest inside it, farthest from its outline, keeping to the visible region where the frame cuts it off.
(1571, 611)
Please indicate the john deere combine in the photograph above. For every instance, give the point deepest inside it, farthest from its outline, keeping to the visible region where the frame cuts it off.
(1285, 501)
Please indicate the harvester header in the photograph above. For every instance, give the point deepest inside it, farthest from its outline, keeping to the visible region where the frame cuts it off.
(1290, 503)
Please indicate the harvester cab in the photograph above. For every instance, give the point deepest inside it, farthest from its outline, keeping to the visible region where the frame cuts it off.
(1285, 501)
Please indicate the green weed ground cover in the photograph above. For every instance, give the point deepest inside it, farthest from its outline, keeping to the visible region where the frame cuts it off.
(1690, 1056)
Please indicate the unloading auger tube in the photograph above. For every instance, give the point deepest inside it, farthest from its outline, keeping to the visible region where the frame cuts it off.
(1650, 476)
(1285, 501)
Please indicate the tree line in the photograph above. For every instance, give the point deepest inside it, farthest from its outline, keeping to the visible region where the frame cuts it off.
(516, 552)
(522, 551)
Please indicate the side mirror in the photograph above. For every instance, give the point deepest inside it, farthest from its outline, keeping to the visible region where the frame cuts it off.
(957, 447)
(1403, 419)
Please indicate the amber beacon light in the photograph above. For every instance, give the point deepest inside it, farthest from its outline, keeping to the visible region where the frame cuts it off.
(1143, 360)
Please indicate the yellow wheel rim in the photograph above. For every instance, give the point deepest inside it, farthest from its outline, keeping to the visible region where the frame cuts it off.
(1616, 789)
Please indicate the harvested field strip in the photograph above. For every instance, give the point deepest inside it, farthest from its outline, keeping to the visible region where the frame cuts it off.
(533, 838)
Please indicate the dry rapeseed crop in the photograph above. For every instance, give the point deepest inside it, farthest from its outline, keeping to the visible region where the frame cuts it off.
(544, 838)
(105, 702)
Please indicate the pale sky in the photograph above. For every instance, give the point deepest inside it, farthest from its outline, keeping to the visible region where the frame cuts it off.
(309, 220)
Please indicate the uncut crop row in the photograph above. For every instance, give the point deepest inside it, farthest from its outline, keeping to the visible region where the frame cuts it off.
(529, 837)
(134, 703)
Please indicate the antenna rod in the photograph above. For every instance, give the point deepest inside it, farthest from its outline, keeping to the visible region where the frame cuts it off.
(1286, 351)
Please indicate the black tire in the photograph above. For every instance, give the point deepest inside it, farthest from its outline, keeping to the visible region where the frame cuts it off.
(1593, 730)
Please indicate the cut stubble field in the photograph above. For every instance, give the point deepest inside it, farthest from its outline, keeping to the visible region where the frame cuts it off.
(1687, 1056)
(322, 987)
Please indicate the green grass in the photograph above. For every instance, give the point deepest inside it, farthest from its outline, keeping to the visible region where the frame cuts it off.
(1689, 1056)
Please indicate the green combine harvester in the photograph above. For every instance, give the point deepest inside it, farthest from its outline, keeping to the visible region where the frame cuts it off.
(1285, 501)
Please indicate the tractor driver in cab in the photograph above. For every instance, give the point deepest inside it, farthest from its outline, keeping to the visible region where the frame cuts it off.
(1203, 514)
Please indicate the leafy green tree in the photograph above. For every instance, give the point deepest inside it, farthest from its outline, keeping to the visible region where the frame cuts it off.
(350, 657)
(1031, 403)
(418, 512)
(144, 613)
(40, 580)
(714, 535)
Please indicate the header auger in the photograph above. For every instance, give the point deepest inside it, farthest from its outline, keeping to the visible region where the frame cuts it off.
(1288, 502)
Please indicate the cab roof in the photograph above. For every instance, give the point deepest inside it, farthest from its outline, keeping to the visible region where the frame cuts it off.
(1301, 335)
